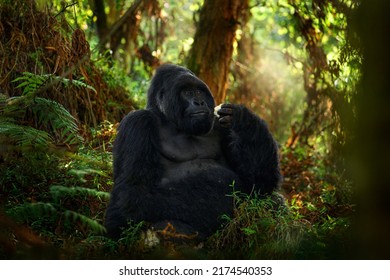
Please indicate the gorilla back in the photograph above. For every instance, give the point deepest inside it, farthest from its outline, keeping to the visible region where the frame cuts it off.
(176, 161)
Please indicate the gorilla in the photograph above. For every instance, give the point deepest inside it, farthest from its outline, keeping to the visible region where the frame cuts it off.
(178, 162)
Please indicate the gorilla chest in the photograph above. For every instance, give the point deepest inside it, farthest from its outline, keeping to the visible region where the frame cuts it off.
(183, 148)
(183, 155)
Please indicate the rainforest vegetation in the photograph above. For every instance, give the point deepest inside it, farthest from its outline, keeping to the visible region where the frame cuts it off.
(314, 70)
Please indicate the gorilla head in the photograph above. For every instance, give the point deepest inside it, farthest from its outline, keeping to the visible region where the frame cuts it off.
(182, 98)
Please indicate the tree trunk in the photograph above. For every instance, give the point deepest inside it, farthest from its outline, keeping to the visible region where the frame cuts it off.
(371, 154)
(212, 49)
(101, 19)
(126, 27)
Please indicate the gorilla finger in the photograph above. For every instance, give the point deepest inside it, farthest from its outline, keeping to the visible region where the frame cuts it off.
(226, 125)
(225, 111)
(227, 105)
(225, 121)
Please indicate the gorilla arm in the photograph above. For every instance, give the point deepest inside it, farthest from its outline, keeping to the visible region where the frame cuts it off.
(250, 149)
(136, 169)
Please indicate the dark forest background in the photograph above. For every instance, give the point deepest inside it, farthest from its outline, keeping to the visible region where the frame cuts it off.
(315, 70)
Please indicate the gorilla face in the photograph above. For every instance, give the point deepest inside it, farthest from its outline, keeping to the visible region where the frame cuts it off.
(183, 99)
(197, 117)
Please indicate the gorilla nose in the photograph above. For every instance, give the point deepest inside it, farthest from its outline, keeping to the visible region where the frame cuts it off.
(199, 103)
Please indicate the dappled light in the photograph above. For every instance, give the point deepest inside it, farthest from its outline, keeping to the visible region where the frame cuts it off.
(70, 72)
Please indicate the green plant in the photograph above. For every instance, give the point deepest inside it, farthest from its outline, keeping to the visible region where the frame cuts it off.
(55, 212)
(32, 83)
(29, 121)
(259, 229)
(59, 195)
(132, 234)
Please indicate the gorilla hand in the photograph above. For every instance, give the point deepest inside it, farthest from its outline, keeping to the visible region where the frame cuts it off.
(226, 113)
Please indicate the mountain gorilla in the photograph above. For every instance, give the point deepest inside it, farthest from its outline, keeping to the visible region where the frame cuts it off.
(178, 162)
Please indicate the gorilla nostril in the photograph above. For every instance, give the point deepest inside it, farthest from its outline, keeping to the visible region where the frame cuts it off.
(199, 103)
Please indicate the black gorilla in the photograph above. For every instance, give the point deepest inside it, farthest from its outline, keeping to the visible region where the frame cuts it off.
(177, 162)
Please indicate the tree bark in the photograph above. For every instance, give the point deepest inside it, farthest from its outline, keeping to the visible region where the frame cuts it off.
(212, 50)
(126, 27)
(101, 19)
(371, 151)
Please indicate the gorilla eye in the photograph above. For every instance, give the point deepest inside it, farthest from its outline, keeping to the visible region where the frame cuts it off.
(187, 93)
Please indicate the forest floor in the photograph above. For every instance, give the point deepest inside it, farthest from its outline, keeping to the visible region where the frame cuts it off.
(53, 207)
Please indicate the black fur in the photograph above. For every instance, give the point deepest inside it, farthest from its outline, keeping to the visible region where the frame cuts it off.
(176, 162)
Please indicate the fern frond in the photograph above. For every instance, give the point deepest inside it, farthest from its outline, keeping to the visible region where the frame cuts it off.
(62, 123)
(50, 115)
(36, 210)
(15, 107)
(66, 82)
(92, 224)
(58, 191)
(81, 172)
(30, 82)
(24, 136)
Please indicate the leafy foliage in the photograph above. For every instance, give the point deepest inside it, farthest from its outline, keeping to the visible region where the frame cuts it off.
(24, 136)
(40, 211)
(31, 83)
(258, 230)
(64, 206)
(30, 121)
(297, 64)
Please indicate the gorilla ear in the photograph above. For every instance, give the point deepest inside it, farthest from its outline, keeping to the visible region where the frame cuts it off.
(155, 95)
(157, 89)
(160, 101)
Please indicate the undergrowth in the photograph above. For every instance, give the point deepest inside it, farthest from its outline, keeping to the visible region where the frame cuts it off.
(62, 197)
(55, 178)
(53, 59)
(259, 229)
(57, 184)
(65, 207)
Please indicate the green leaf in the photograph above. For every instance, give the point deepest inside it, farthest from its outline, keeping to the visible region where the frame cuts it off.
(248, 231)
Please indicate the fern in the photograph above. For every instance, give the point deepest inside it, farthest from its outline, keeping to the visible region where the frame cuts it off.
(38, 210)
(59, 120)
(25, 136)
(66, 82)
(33, 211)
(53, 124)
(31, 83)
(85, 221)
(58, 191)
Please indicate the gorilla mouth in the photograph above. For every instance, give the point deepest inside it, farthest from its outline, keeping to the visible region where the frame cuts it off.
(198, 114)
